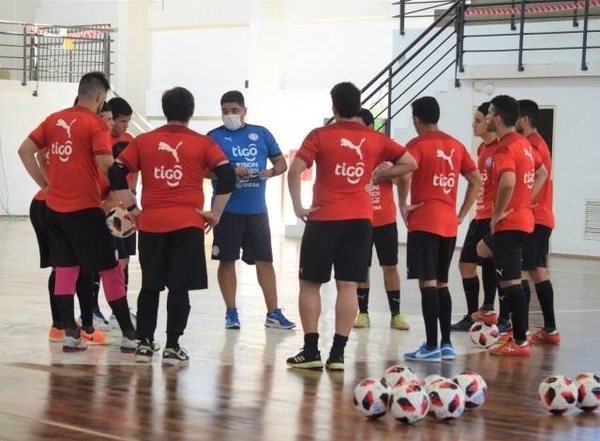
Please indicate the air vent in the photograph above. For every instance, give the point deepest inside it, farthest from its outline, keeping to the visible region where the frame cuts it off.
(592, 220)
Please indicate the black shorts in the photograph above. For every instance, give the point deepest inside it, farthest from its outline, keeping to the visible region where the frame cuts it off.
(37, 216)
(477, 230)
(385, 239)
(174, 260)
(131, 244)
(507, 248)
(536, 248)
(428, 256)
(81, 238)
(249, 232)
(343, 245)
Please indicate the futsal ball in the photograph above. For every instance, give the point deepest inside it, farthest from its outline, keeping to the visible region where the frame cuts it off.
(400, 376)
(409, 403)
(484, 335)
(119, 222)
(447, 400)
(558, 394)
(474, 387)
(429, 380)
(371, 397)
(588, 391)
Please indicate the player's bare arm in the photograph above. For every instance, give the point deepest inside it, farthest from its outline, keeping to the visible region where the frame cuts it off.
(27, 152)
(279, 167)
(474, 184)
(506, 186)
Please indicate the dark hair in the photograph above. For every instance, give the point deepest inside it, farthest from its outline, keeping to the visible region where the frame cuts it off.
(120, 107)
(346, 99)
(531, 110)
(426, 109)
(105, 107)
(91, 83)
(233, 96)
(366, 116)
(484, 108)
(178, 104)
(507, 108)
(118, 148)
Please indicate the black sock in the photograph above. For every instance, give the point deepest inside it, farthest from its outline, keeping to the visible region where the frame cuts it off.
(363, 300)
(65, 305)
(394, 301)
(516, 299)
(471, 288)
(430, 305)
(527, 291)
(178, 311)
(56, 321)
(490, 281)
(311, 343)
(126, 274)
(338, 346)
(84, 289)
(96, 290)
(120, 309)
(545, 294)
(147, 313)
(445, 313)
(504, 306)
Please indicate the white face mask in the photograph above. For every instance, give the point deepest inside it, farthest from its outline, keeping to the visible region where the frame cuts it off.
(232, 122)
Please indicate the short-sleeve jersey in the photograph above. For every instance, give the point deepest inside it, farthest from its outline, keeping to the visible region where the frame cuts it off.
(73, 137)
(382, 200)
(514, 154)
(172, 160)
(125, 136)
(543, 207)
(249, 146)
(345, 154)
(442, 160)
(484, 204)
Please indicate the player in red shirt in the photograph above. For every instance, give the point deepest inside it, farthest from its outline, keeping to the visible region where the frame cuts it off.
(78, 143)
(518, 175)
(338, 223)
(432, 221)
(385, 240)
(172, 160)
(535, 251)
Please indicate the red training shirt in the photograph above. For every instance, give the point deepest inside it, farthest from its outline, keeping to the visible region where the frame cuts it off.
(543, 206)
(484, 204)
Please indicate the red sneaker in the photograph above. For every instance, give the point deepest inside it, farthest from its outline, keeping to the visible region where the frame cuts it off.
(95, 338)
(56, 335)
(512, 349)
(489, 317)
(543, 336)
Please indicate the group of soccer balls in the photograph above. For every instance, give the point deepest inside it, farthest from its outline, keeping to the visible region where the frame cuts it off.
(559, 394)
(409, 400)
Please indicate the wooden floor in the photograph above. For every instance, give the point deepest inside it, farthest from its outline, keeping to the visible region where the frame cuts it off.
(237, 386)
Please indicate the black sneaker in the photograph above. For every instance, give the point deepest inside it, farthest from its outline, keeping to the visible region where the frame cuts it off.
(304, 360)
(463, 325)
(175, 356)
(335, 363)
(144, 351)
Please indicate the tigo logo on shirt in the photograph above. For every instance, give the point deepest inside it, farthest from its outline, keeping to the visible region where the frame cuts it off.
(171, 175)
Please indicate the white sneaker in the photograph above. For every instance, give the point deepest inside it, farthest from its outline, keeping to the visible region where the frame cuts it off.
(128, 345)
(72, 344)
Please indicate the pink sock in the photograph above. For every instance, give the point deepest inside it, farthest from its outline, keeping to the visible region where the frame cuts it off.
(113, 282)
(66, 280)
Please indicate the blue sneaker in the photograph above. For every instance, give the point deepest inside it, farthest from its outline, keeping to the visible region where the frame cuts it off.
(232, 321)
(276, 319)
(447, 351)
(424, 354)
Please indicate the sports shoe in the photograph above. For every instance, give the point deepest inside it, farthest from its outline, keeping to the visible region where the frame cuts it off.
(175, 356)
(463, 325)
(232, 321)
(128, 346)
(56, 335)
(95, 338)
(543, 336)
(276, 319)
(399, 322)
(504, 326)
(144, 351)
(335, 363)
(512, 349)
(72, 344)
(425, 354)
(114, 324)
(304, 360)
(362, 320)
(509, 335)
(490, 317)
(100, 322)
(447, 351)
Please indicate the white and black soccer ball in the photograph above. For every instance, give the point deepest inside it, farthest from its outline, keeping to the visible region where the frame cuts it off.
(558, 394)
(446, 400)
(588, 391)
(409, 403)
(400, 376)
(484, 335)
(120, 223)
(474, 387)
(371, 397)
(429, 380)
